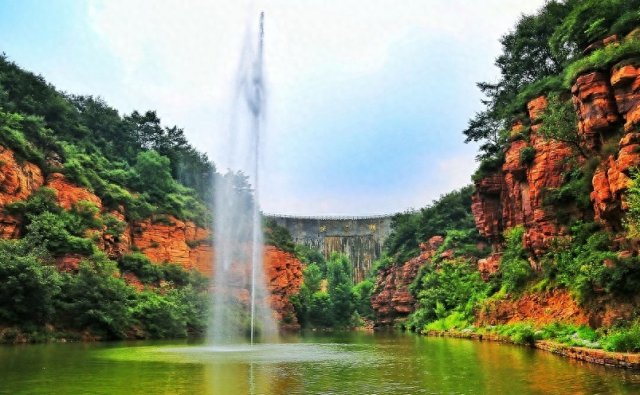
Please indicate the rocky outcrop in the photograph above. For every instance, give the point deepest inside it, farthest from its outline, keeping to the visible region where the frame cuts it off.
(545, 308)
(557, 305)
(625, 81)
(18, 180)
(595, 107)
(68, 194)
(392, 301)
(487, 208)
(514, 195)
(168, 239)
(605, 103)
(284, 278)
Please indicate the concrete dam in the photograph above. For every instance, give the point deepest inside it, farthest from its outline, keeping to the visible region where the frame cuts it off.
(360, 238)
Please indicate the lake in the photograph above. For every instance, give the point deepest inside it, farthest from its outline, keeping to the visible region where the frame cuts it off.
(310, 363)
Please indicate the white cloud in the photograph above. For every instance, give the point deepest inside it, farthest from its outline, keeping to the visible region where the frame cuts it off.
(179, 57)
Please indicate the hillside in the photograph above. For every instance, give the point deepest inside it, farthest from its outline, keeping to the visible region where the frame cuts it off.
(105, 221)
(555, 197)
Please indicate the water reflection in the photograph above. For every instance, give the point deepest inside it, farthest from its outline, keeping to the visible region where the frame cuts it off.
(342, 363)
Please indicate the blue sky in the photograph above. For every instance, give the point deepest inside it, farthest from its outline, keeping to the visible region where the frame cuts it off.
(366, 99)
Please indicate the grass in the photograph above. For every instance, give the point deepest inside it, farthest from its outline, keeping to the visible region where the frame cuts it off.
(601, 59)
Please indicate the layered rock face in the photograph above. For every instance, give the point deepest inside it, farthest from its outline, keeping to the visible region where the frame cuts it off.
(284, 278)
(605, 104)
(68, 194)
(391, 299)
(514, 195)
(546, 308)
(173, 240)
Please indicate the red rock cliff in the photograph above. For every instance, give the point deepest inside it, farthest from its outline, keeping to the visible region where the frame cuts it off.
(391, 300)
(604, 103)
(18, 180)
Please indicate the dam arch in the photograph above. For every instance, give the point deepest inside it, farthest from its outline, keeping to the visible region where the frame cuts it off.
(361, 238)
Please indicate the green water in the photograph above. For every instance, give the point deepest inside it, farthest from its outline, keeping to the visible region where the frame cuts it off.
(349, 363)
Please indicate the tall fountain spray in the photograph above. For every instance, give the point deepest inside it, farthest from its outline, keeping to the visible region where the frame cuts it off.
(240, 299)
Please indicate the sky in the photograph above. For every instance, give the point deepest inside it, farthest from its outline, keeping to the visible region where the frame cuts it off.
(366, 100)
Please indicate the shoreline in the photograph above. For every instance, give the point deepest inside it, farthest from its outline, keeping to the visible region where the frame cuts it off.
(591, 355)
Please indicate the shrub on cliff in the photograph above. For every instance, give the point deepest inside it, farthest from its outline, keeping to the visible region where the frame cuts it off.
(515, 268)
(451, 211)
(54, 233)
(632, 217)
(602, 59)
(586, 265)
(451, 286)
(560, 123)
(278, 236)
(527, 155)
(590, 20)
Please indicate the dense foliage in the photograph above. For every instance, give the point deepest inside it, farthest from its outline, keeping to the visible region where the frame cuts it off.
(135, 165)
(37, 302)
(329, 298)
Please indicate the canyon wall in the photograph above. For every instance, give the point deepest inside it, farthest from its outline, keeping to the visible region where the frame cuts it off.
(607, 105)
(360, 238)
(608, 111)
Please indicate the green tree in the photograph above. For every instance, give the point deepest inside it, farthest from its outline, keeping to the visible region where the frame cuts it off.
(560, 123)
(29, 288)
(340, 288)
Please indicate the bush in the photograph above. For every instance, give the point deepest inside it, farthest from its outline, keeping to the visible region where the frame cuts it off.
(94, 299)
(488, 166)
(52, 231)
(11, 135)
(278, 236)
(159, 316)
(452, 286)
(29, 288)
(623, 339)
(527, 155)
(515, 269)
(518, 333)
(362, 297)
(632, 217)
(455, 320)
(138, 264)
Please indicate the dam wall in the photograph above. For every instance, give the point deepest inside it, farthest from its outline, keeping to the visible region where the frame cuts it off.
(360, 238)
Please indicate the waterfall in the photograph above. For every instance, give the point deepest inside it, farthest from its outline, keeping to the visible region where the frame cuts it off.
(240, 298)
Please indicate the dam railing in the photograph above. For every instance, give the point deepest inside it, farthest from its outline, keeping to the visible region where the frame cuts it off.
(329, 217)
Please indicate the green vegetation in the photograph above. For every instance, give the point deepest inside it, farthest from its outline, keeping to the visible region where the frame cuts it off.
(278, 236)
(602, 59)
(559, 123)
(515, 268)
(450, 212)
(632, 218)
(448, 291)
(527, 155)
(136, 166)
(41, 303)
(331, 299)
